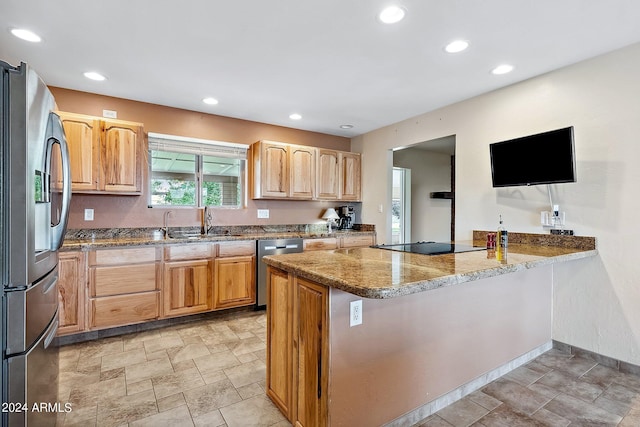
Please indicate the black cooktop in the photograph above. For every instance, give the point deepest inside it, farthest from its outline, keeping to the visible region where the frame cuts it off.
(431, 248)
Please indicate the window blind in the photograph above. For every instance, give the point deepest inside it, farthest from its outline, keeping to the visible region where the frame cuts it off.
(204, 147)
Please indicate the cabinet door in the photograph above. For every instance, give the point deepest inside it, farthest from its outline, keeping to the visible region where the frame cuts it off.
(120, 157)
(280, 340)
(350, 180)
(328, 174)
(83, 138)
(303, 172)
(312, 354)
(274, 170)
(71, 291)
(234, 283)
(186, 287)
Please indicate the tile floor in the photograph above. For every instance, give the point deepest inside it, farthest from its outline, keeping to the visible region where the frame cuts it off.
(555, 389)
(206, 373)
(212, 373)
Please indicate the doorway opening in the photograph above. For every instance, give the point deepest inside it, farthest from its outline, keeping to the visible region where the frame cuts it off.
(430, 214)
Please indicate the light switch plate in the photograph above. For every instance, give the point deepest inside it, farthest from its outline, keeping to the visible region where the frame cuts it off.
(110, 114)
(88, 214)
(263, 213)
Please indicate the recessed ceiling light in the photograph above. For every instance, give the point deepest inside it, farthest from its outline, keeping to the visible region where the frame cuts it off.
(392, 14)
(502, 69)
(210, 101)
(27, 35)
(346, 126)
(456, 46)
(295, 116)
(94, 76)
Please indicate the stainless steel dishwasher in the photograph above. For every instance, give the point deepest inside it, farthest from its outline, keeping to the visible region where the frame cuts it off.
(271, 247)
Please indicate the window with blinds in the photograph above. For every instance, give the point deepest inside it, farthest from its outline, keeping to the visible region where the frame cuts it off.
(195, 172)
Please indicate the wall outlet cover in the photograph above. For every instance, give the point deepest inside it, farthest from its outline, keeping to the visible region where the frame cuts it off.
(263, 213)
(88, 214)
(110, 114)
(355, 313)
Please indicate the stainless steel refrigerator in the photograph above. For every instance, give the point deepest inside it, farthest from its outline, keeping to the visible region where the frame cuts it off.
(34, 204)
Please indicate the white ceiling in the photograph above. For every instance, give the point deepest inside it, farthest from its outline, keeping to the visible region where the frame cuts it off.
(330, 60)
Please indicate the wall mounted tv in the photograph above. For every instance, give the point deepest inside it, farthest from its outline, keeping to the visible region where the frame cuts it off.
(544, 158)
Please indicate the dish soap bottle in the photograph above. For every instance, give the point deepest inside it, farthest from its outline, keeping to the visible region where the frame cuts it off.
(503, 241)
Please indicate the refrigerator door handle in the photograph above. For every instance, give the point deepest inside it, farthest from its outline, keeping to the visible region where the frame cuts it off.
(51, 335)
(56, 135)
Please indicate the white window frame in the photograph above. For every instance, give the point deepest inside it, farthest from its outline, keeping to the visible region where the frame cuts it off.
(199, 148)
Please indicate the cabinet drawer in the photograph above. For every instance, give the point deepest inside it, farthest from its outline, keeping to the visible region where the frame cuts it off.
(123, 256)
(193, 251)
(356, 241)
(320, 244)
(123, 279)
(228, 249)
(123, 309)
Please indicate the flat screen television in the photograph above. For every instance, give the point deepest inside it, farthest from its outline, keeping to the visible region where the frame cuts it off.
(544, 158)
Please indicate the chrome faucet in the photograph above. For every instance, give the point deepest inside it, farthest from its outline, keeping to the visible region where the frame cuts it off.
(165, 228)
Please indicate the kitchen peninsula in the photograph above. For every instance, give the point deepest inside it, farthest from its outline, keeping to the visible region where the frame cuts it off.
(434, 328)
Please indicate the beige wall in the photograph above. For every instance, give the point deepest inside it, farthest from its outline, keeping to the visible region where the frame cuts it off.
(430, 171)
(596, 300)
(411, 350)
(132, 211)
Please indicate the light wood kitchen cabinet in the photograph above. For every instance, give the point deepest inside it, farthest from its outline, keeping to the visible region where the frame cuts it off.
(282, 171)
(187, 287)
(234, 283)
(280, 351)
(350, 177)
(83, 140)
(270, 170)
(357, 241)
(320, 244)
(328, 174)
(71, 292)
(120, 156)
(123, 286)
(105, 154)
(297, 348)
(313, 353)
(302, 180)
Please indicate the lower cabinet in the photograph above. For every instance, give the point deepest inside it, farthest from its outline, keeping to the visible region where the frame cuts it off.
(234, 282)
(313, 353)
(123, 286)
(280, 341)
(71, 292)
(186, 288)
(297, 348)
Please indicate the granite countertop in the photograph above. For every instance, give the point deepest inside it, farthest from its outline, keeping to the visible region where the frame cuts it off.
(379, 273)
(87, 241)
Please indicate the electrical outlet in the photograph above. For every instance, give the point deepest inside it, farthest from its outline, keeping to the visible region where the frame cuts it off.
(355, 313)
(88, 214)
(263, 213)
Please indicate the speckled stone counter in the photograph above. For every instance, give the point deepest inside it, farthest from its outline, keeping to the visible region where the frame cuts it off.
(379, 273)
(88, 239)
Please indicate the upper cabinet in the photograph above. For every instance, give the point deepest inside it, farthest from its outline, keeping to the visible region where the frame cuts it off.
(339, 175)
(105, 154)
(350, 177)
(282, 171)
(286, 171)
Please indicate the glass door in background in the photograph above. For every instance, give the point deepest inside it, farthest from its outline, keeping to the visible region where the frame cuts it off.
(401, 206)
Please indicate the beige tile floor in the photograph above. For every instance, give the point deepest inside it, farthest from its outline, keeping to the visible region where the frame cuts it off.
(206, 373)
(212, 373)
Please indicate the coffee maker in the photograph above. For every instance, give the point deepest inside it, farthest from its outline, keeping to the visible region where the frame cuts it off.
(347, 217)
